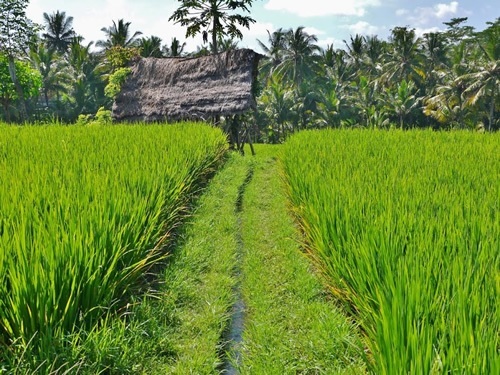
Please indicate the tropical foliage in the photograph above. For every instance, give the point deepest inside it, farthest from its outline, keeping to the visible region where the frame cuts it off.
(215, 17)
(444, 80)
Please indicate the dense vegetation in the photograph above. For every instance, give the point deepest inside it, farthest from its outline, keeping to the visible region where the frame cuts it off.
(406, 228)
(85, 213)
(443, 80)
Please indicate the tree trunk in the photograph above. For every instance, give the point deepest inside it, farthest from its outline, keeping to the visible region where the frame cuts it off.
(46, 95)
(249, 140)
(12, 71)
(5, 104)
(214, 36)
(492, 111)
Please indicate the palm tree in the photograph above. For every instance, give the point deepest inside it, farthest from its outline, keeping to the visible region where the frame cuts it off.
(299, 55)
(341, 69)
(374, 52)
(277, 101)
(356, 50)
(403, 100)
(328, 56)
(404, 61)
(363, 97)
(274, 51)
(328, 109)
(446, 105)
(227, 44)
(87, 87)
(52, 68)
(485, 81)
(446, 102)
(176, 48)
(150, 47)
(59, 31)
(435, 49)
(118, 34)
(215, 17)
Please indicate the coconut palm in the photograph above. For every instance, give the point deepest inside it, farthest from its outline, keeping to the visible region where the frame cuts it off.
(277, 101)
(119, 34)
(328, 109)
(446, 102)
(402, 100)
(59, 31)
(356, 49)
(404, 61)
(52, 68)
(328, 56)
(215, 17)
(150, 47)
(300, 55)
(435, 50)
(485, 81)
(224, 45)
(176, 49)
(87, 91)
(446, 105)
(374, 52)
(273, 51)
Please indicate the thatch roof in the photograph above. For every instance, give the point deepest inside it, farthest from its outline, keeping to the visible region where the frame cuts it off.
(188, 88)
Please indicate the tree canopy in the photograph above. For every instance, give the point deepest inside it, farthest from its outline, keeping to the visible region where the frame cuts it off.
(59, 31)
(215, 17)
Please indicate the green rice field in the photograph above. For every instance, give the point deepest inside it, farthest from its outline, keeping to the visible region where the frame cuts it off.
(405, 227)
(85, 213)
(345, 251)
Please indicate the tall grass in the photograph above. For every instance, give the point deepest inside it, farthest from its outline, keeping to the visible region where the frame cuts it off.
(85, 212)
(406, 227)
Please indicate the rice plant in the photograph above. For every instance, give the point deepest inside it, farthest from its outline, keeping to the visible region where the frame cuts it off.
(405, 227)
(85, 212)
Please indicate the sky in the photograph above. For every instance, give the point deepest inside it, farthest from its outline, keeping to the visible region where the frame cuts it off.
(332, 21)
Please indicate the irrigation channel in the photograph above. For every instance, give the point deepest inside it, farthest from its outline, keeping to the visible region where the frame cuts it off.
(263, 309)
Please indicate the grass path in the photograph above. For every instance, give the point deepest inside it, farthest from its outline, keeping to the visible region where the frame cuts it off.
(239, 296)
(290, 326)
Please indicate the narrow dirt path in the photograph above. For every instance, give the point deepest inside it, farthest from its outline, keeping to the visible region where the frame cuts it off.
(234, 335)
(290, 325)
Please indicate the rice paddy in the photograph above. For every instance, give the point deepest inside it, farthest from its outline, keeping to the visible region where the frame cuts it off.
(405, 227)
(85, 213)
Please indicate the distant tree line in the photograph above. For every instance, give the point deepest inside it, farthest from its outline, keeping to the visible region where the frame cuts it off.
(444, 80)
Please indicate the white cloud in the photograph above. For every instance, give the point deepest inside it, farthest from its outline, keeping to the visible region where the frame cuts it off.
(362, 28)
(323, 43)
(313, 31)
(318, 8)
(258, 30)
(425, 15)
(402, 12)
(446, 10)
(91, 16)
(421, 31)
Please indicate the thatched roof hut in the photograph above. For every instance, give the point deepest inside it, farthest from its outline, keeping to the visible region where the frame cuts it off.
(161, 89)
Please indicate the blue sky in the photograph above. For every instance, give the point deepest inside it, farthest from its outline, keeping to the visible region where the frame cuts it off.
(331, 20)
